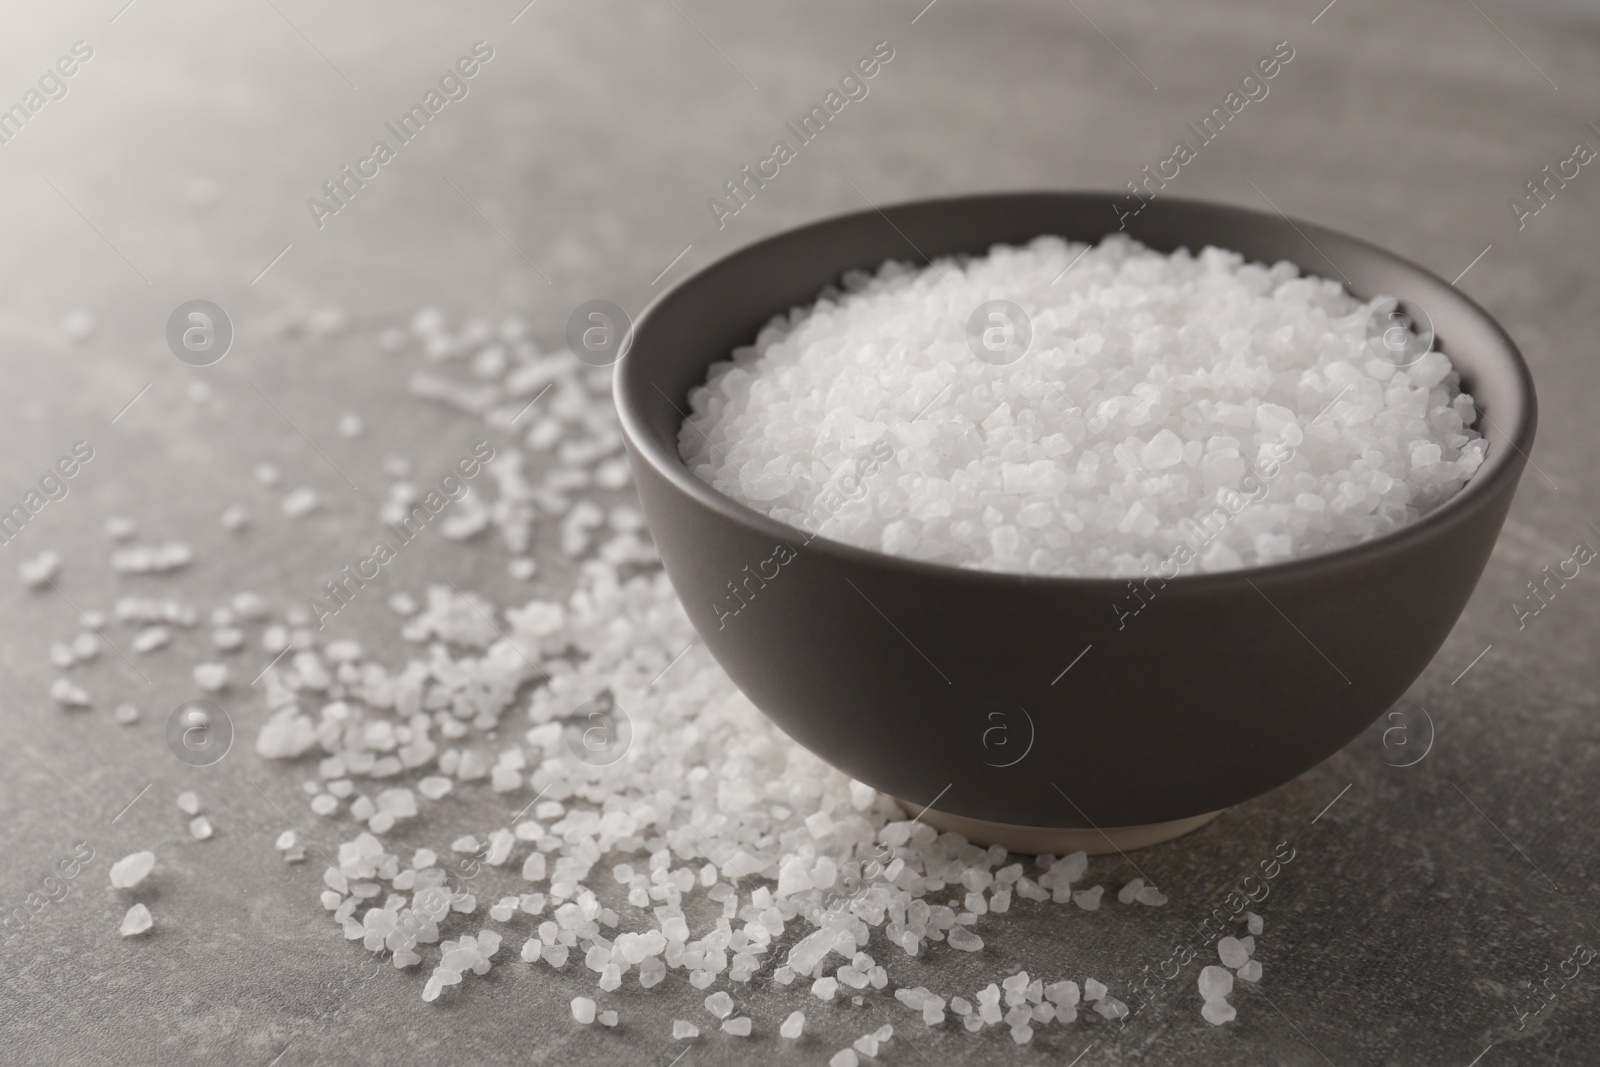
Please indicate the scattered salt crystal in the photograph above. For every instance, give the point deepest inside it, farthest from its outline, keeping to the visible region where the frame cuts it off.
(1254, 922)
(719, 1004)
(794, 1025)
(1215, 982)
(684, 1031)
(39, 570)
(137, 921)
(845, 1057)
(964, 939)
(1128, 892)
(131, 869)
(267, 475)
(1151, 896)
(200, 827)
(1093, 990)
(1233, 952)
(211, 677)
(607, 1017)
(188, 802)
(125, 714)
(150, 638)
(286, 840)
(738, 1027)
(1217, 1012)
(152, 559)
(68, 695)
(1089, 899)
(1251, 971)
(234, 517)
(350, 425)
(583, 1010)
(301, 502)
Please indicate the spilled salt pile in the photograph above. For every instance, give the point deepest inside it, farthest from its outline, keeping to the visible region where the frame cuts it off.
(1144, 411)
(442, 772)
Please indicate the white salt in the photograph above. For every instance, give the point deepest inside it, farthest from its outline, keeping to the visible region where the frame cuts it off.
(794, 1025)
(684, 1031)
(1215, 982)
(301, 502)
(189, 802)
(1172, 413)
(131, 869)
(137, 921)
(40, 569)
(583, 1010)
(1233, 952)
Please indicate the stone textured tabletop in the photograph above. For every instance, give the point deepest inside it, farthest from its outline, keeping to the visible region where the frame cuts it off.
(1442, 863)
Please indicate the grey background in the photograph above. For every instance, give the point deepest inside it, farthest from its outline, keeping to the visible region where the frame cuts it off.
(1418, 906)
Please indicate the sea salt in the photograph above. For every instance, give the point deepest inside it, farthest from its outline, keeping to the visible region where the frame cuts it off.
(1171, 414)
(137, 921)
(39, 570)
(1215, 982)
(131, 869)
(739, 854)
(1233, 952)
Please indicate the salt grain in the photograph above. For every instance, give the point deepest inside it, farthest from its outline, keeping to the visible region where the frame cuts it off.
(137, 921)
(301, 502)
(39, 570)
(1233, 952)
(132, 869)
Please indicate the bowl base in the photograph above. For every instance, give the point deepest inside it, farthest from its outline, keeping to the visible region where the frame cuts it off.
(1058, 840)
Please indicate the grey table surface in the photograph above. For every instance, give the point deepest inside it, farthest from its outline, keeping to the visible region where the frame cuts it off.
(1421, 904)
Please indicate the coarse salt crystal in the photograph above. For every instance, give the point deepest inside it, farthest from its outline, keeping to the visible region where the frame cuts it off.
(131, 869)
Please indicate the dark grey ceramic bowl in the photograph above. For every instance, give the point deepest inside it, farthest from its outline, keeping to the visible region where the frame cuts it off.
(945, 686)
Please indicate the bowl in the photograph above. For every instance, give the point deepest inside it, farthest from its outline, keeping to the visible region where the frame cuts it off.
(1030, 711)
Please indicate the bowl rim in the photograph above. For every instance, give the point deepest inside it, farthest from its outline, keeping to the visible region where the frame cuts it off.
(1500, 464)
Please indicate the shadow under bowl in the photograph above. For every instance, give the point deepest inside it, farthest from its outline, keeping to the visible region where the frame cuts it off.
(1030, 711)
